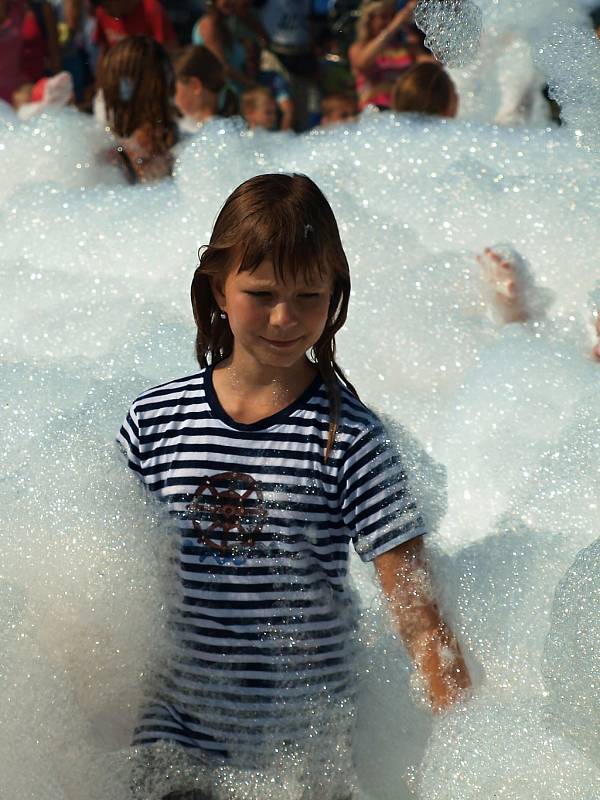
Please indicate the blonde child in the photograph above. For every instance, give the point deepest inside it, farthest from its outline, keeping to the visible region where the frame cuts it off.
(200, 80)
(273, 467)
(137, 84)
(258, 108)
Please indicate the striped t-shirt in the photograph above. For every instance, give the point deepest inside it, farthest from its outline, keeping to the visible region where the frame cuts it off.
(264, 619)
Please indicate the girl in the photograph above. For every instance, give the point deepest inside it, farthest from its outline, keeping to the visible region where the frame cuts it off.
(379, 56)
(273, 467)
(137, 84)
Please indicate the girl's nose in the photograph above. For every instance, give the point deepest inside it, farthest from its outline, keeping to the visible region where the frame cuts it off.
(283, 316)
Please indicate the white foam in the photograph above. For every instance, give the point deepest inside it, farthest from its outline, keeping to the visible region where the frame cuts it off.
(94, 281)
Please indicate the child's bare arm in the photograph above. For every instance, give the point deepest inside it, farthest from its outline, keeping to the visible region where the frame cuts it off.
(431, 644)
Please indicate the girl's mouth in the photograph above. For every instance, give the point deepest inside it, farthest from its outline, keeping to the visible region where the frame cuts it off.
(282, 344)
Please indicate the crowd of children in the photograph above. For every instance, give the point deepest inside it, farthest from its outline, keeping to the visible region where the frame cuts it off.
(279, 65)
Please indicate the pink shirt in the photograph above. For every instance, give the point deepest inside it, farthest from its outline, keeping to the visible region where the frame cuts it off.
(374, 85)
(11, 43)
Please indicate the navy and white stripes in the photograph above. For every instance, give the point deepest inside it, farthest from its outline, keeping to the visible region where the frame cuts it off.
(264, 621)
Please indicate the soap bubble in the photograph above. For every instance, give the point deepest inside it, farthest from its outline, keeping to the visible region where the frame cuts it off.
(452, 29)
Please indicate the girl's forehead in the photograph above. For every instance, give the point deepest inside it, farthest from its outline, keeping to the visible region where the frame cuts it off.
(265, 272)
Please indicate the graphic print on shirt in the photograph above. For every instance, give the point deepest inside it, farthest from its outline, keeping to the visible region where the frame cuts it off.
(228, 512)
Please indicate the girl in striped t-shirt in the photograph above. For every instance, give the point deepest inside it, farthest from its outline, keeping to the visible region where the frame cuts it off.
(272, 467)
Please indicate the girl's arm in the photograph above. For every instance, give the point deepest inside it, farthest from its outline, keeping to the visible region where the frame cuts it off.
(212, 40)
(362, 56)
(431, 644)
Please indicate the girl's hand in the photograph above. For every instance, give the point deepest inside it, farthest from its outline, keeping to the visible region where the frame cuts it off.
(402, 17)
(442, 668)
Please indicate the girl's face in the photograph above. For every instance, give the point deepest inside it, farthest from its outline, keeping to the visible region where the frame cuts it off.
(187, 96)
(264, 115)
(274, 323)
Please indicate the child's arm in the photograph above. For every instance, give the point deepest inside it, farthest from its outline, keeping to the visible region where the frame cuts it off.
(432, 646)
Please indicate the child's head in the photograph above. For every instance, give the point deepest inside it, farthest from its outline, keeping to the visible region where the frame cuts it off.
(338, 108)
(258, 108)
(373, 17)
(278, 232)
(426, 89)
(200, 77)
(136, 78)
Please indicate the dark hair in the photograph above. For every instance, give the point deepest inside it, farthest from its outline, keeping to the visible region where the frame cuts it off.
(197, 61)
(330, 101)
(425, 88)
(136, 78)
(285, 218)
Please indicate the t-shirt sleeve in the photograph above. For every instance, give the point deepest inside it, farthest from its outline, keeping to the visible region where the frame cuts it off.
(128, 440)
(376, 504)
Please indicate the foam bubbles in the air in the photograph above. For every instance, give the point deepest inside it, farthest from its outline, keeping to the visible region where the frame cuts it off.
(452, 29)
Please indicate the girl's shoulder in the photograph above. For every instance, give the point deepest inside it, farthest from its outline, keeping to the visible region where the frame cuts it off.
(171, 392)
(355, 416)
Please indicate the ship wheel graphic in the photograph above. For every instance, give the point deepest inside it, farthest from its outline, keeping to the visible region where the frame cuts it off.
(234, 515)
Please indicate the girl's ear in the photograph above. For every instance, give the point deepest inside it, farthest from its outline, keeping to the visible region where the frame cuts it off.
(196, 85)
(217, 288)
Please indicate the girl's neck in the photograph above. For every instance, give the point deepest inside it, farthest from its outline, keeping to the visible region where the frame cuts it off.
(249, 392)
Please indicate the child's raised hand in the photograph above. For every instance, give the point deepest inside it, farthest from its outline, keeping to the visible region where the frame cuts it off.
(403, 16)
(502, 274)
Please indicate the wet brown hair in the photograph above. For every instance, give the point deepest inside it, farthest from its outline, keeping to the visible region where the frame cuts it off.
(197, 61)
(425, 88)
(287, 219)
(137, 80)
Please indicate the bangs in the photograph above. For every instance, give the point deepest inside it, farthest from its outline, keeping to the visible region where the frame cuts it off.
(298, 246)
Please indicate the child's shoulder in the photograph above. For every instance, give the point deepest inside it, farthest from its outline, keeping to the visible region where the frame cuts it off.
(356, 418)
(170, 392)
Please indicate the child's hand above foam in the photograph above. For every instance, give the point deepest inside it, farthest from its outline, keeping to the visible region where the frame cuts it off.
(503, 274)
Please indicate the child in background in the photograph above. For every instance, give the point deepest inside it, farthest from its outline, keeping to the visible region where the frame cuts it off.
(199, 80)
(272, 467)
(379, 55)
(426, 88)
(137, 83)
(258, 108)
(339, 108)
